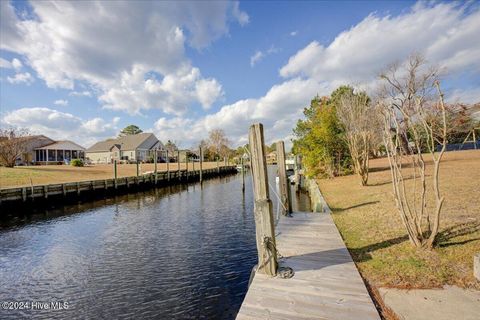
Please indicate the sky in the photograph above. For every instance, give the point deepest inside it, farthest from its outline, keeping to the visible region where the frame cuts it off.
(84, 70)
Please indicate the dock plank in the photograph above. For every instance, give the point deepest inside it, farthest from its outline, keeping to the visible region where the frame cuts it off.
(326, 284)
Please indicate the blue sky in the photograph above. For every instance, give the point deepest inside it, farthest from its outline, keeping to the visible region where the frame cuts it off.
(82, 71)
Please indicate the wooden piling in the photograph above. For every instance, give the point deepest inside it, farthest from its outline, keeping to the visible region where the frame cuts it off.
(264, 223)
(115, 172)
(155, 162)
(243, 175)
(138, 171)
(24, 194)
(283, 179)
(201, 161)
(178, 164)
(168, 167)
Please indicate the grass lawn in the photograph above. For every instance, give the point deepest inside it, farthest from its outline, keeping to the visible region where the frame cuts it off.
(38, 175)
(373, 231)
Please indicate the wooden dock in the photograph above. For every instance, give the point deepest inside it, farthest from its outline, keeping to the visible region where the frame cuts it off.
(326, 283)
(32, 194)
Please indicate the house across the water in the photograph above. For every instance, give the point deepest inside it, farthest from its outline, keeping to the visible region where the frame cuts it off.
(43, 150)
(129, 148)
(271, 158)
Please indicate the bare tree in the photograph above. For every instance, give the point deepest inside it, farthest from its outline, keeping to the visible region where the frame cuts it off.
(13, 143)
(360, 122)
(218, 142)
(411, 99)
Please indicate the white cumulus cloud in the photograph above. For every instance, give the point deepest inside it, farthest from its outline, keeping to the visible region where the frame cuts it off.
(21, 78)
(61, 102)
(61, 125)
(119, 45)
(443, 32)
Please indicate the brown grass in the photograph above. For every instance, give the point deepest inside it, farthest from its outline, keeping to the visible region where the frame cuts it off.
(373, 231)
(20, 176)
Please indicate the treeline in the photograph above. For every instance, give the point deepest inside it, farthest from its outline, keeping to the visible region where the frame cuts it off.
(342, 131)
(405, 119)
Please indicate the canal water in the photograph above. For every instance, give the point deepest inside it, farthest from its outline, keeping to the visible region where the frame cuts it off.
(180, 252)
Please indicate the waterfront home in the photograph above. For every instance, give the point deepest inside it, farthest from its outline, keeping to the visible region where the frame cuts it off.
(271, 158)
(129, 148)
(41, 149)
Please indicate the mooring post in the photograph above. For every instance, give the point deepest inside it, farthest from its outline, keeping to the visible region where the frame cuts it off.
(155, 164)
(218, 166)
(297, 175)
(201, 162)
(168, 167)
(264, 223)
(137, 169)
(178, 163)
(115, 172)
(283, 180)
(474, 140)
(193, 167)
(243, 175)
(186, 164)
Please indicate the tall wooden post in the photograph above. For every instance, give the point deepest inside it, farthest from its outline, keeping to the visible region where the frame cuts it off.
(297, 174)
(155, 162)
(243, 175)
(264, 223)
(201, 163)
(474, 140)
(178, 164)
(186, 163)
(218, 166)
(115, 172)
(168, 167)
(282, 175)
(138, 171)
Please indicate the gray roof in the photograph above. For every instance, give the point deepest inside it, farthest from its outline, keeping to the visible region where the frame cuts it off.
(129, 142)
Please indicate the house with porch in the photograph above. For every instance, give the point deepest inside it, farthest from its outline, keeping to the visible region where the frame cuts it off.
(130, 148)
(40, 150)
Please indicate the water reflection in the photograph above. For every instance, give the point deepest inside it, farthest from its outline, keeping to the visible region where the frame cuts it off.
(180, 252)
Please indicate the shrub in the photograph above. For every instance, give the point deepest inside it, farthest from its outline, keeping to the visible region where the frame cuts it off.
(76, 163)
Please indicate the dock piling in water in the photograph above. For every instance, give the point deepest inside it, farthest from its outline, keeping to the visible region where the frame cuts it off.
(200, 152)
(263, 211)
(283, 180)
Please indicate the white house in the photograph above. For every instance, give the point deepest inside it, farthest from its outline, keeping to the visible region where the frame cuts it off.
(128, 148)
(43, 150)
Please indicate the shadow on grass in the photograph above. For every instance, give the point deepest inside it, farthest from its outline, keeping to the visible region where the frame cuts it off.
(362, 254)
(338, 210)
(458, 230)
(390, 181)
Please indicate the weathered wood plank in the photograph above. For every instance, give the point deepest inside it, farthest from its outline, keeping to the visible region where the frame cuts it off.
(283, 180)
(326, 284)
(263, 211)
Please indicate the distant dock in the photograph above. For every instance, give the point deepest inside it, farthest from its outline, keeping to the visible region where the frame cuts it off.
(48, 192)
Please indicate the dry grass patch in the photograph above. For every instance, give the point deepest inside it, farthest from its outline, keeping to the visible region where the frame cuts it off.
(20, 176)
(373, 231)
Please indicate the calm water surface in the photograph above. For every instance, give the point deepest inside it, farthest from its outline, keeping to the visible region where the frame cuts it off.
(175, 253)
